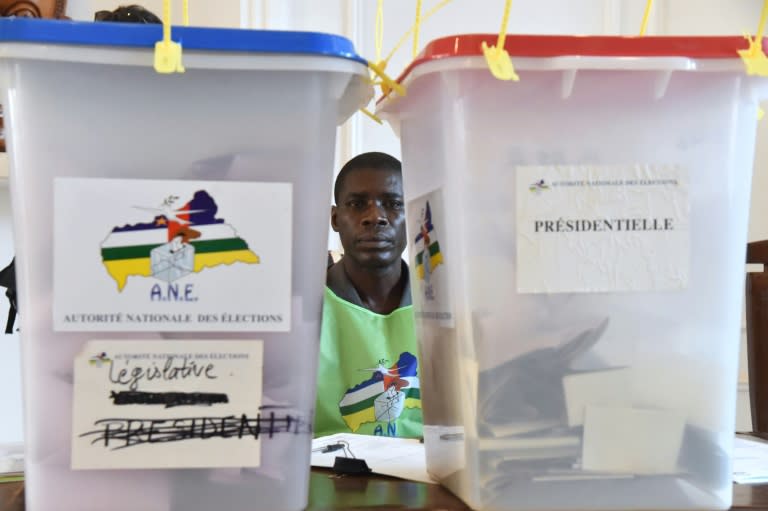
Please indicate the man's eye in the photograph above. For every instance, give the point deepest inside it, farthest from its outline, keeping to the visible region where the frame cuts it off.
(395, 204)
(355, 204)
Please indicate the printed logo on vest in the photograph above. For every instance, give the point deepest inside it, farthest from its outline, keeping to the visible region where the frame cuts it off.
(384, 396)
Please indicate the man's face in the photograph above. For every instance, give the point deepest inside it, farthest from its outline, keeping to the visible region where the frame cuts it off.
(370, 217)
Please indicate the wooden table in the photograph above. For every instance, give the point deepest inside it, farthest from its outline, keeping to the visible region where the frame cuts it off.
(387, 493)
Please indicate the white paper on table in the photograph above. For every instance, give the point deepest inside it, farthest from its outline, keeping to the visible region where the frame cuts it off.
(397, 457)
(11, 458)
(750, 461)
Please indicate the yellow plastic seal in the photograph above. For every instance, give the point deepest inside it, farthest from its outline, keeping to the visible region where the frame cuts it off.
(497, 57)
(168, 52)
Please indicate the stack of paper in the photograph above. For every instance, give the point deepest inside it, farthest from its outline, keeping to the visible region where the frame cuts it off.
(750, 460)
(398, 457)
(11, 462)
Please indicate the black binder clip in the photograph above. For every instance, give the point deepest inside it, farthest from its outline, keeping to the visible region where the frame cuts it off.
(350, 466)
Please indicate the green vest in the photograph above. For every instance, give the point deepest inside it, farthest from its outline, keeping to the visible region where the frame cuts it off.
(368, 378)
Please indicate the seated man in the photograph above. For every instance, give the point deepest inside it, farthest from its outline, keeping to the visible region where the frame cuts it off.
(368, 380)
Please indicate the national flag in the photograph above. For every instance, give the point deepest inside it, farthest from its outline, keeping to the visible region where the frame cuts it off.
(126, 250)
(358, 406)
(428, 239)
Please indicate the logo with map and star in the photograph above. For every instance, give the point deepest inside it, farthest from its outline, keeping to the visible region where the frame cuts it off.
(100, 359)
(384, 396)
(180, 240)
(538, 186)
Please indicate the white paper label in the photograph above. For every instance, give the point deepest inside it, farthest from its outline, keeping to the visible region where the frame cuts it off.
(602, 229)
(427, 228)
(150, 255)
(168, 404)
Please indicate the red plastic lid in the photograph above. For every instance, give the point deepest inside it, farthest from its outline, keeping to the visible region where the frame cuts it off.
(710, 47)
(698, 47)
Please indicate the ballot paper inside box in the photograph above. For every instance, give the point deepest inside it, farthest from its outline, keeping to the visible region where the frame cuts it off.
(172, 261)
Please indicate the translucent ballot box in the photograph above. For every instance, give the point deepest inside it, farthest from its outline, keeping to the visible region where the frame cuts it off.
(578, 241)
(171, 249)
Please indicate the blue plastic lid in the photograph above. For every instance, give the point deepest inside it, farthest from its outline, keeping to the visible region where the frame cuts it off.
(139, 35)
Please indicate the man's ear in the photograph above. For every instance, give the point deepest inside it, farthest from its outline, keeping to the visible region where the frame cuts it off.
(334, 225)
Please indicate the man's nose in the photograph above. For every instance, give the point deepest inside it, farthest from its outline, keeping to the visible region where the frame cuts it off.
(375, 214)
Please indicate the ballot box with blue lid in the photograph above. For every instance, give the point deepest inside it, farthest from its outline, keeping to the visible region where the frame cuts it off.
(170, 245)
(577, 242)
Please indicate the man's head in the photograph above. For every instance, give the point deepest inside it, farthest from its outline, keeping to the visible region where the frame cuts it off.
(369, 214)
(127, 14)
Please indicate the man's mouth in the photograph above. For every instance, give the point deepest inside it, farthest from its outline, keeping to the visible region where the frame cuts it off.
(374, 242)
